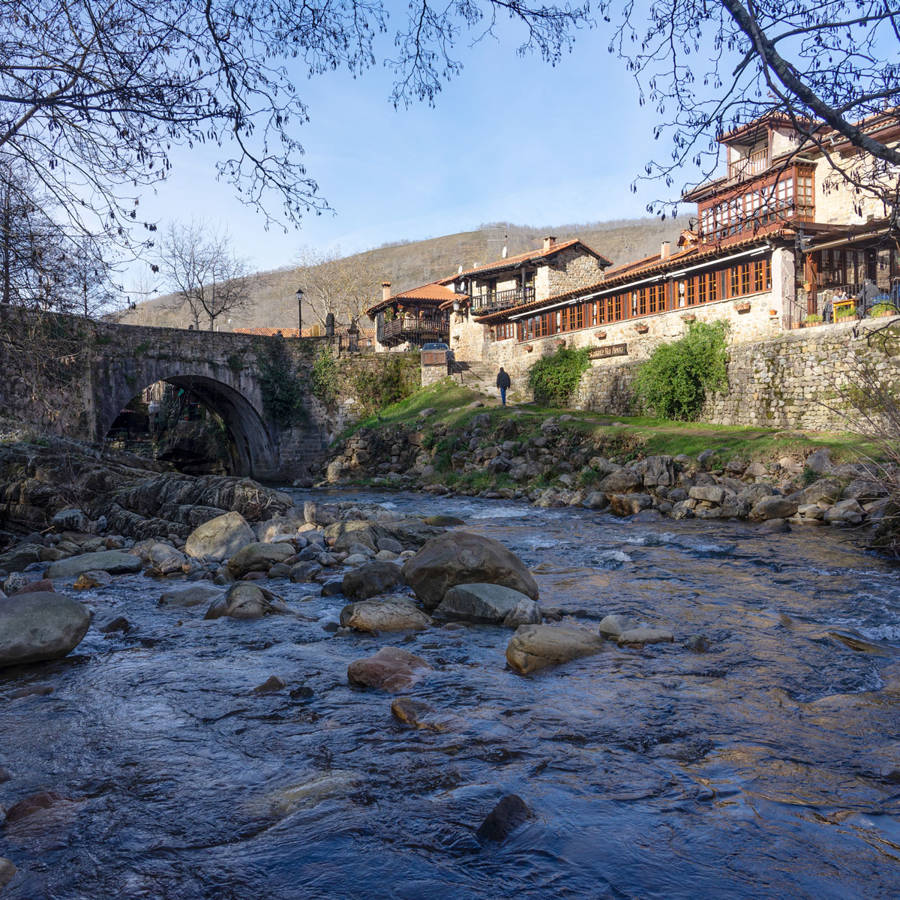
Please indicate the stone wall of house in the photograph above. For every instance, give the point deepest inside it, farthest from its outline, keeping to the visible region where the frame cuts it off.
(571, 269)
(792, 381)
(836, 201)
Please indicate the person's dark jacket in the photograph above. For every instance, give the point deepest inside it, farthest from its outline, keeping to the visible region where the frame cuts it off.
(503, 379)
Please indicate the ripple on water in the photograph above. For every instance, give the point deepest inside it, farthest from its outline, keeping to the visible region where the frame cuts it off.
(753, 769)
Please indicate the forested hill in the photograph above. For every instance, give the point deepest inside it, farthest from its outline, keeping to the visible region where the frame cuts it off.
(411, 263)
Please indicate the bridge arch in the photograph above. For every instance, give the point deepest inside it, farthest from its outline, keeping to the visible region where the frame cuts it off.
(254, 448)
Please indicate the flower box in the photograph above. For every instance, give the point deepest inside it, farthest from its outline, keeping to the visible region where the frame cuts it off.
(600, 335)
(689, 317)
(641, 329)
(743, 306)
(528, 348)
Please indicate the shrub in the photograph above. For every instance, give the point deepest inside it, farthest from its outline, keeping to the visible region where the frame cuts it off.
(554, 378)
(325, 376)
(813, 319)
(881, 308)
(281, 391)
(673, 383)
(848, 312)
(381, 386)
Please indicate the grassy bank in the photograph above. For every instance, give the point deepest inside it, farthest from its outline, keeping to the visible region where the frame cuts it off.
(624, 437)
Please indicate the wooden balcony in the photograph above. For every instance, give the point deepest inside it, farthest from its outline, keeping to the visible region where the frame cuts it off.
(482, 304)
(415, 329)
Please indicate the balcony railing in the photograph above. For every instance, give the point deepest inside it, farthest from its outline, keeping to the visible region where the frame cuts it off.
(773, 211)
(415, 329)
(754, 164)
(482, 304)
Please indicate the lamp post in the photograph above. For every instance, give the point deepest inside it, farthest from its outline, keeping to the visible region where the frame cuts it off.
(299, 295)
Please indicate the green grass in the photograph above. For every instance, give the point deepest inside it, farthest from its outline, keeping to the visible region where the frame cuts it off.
(629, 438)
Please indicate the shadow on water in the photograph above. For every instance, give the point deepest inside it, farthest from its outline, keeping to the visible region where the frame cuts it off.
(766, 766)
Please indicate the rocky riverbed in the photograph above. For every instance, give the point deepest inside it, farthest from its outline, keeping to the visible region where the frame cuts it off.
(558, 465)
(456, 696)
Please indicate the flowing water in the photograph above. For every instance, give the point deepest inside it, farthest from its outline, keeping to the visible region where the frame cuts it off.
(759, 768)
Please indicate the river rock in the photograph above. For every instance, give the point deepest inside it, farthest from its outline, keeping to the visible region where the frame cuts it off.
(36, 815)
(219, 538)
(420, 715)
(270, 686)
(773, 507)
(845, 513)
(343, 535)
(195, 594)
(20, 557)
(825, 490)
(390, 614)
(370, 579)
(258, 557)
(534, 647)
(629, 504)
(621, 482)
(596, 500)
(87, 581)
(116, 562)
(243, 601)
(459, 557)
(613, 625)
(7, 872)
(820, 461)
(711, 493)
(37, 627)
(390, 669)
(503, 819)
(488, 604)
(658, 471)
(287, 527)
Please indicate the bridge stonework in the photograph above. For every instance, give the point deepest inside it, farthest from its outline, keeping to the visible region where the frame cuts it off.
(72, 377)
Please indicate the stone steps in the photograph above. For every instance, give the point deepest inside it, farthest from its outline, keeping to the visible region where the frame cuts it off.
(479, 376)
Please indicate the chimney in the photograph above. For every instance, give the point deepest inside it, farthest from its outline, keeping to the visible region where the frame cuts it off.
(549, 242)
(665, 250)
(385, 290)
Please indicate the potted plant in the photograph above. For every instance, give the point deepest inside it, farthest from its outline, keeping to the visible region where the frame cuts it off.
(689, 317)
(812, 320)
(641, 328)
(883, 309)
(743, 306)
(600, 335)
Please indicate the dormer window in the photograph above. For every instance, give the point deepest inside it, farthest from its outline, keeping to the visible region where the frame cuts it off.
(745, 161)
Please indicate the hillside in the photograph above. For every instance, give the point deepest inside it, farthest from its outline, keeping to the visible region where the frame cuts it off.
(408, 264)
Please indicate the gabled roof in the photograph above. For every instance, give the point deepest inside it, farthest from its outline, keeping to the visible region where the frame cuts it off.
(624, 275)
(425, 295)
(511, 262)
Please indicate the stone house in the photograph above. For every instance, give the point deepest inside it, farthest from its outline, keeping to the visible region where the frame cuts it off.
(411, 318)
(777, 237)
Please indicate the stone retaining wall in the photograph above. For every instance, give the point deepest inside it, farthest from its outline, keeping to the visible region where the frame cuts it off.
(792, 381)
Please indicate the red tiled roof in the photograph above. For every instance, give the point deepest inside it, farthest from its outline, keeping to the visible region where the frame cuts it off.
(427, 295)
(652, 265)
(511, 261)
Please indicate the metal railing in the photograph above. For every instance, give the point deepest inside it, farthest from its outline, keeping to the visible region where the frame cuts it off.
(482, 304)
(413, 327)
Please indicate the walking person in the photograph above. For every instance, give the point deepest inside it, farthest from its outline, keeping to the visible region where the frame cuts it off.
(503, 383)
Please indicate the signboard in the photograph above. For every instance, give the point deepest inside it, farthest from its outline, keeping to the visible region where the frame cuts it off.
(611, 350)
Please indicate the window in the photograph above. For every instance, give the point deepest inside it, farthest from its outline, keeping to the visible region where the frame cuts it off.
(504, 331)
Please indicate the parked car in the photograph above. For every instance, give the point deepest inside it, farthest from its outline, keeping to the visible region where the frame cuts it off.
(435, 345)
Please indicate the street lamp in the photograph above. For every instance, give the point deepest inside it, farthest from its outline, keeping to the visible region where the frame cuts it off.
(299, 295)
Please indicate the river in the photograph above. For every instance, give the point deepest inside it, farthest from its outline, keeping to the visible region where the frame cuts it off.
(759, 768)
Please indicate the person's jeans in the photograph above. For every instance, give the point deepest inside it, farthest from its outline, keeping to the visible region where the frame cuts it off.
(503, 396)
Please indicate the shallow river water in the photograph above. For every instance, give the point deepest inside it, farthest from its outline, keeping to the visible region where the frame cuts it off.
(759, 768)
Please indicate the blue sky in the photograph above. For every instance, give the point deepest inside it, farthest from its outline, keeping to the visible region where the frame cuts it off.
(510, 139)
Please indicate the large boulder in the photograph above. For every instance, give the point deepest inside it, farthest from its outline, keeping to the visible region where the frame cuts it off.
(534, 647)
(459, 557)
(621, 482)
(371, 579)
(244, 600)
(390, 614)
(390, 669)
(490, 604)
(20, 557)
(116, 562)
(344, 535)
(773, 507)
(220, 537)
(845, 513)
(258, 557)
(194, 594)
(35, 627)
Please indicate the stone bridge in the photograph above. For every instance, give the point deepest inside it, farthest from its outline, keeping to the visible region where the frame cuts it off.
(72, 377)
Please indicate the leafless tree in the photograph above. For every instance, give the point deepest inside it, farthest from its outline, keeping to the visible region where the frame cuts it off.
(335, 284)
(828, 66)
(204, 271)
(95, 94)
